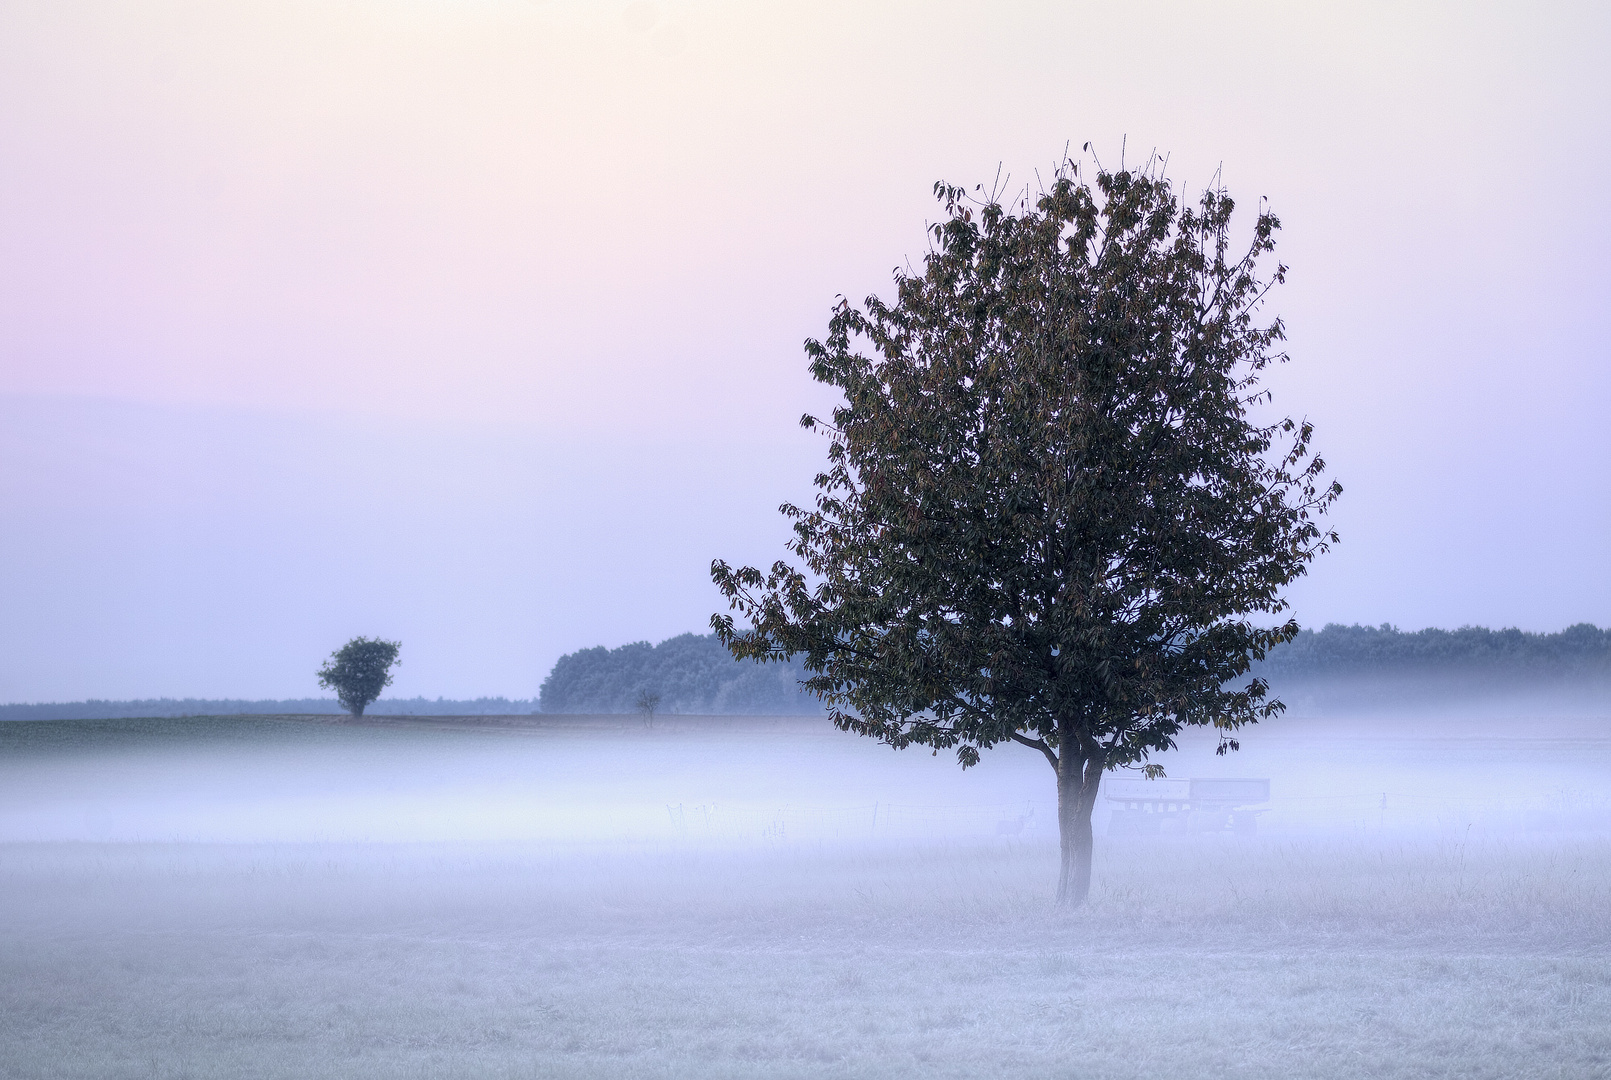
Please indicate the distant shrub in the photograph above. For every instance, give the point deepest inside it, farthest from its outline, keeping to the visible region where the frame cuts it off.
(359, 671)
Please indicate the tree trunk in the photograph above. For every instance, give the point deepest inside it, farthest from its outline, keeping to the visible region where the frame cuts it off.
(1077, 781)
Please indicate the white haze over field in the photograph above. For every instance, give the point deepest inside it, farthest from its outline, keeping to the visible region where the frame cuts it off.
(1426, 895)
(742, 782)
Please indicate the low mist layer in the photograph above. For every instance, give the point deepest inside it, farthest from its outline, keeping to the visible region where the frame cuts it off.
(593, 897)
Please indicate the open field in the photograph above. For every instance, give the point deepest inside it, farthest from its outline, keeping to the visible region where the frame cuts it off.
(723, 899)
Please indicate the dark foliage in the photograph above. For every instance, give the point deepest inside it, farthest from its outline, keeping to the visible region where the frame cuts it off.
(1335, 652)
(359, 671)
(692, 674)
(1375, 651)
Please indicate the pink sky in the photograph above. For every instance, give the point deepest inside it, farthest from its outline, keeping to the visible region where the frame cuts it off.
(478, 324)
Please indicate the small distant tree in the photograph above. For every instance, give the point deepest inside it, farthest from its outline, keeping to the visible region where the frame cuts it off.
(648, 701)
(1051, 514)
(359, 671)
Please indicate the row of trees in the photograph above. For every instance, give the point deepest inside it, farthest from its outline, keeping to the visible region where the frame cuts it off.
(1343, 651)
(690, 673)
(696, 674)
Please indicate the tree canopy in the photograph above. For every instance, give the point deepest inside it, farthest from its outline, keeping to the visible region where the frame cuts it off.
(1050, 514)
(359, 671)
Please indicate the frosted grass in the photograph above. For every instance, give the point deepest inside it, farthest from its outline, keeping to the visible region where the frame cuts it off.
(1225, 959)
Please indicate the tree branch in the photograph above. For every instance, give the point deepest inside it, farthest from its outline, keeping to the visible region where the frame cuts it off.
(1037, 744)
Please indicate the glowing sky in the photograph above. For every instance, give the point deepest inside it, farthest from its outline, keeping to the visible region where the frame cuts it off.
(477, 324)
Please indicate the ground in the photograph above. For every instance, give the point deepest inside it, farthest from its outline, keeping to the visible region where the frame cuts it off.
(295, 901)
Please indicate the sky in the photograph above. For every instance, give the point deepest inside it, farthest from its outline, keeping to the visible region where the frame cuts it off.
(478, 325)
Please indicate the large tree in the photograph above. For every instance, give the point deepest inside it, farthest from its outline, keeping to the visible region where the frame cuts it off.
(1057, 510)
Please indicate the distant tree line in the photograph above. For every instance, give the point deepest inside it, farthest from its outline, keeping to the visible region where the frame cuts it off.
(112, 710)
(694, 674)
(690, 673)
(1343, 651)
